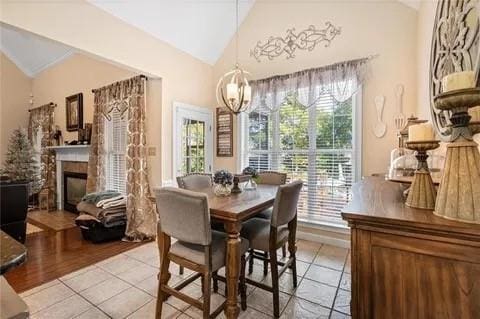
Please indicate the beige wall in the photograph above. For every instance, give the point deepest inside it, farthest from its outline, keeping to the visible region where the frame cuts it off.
(387, 28)
(84, 26)
(426, 20)
(15, 95)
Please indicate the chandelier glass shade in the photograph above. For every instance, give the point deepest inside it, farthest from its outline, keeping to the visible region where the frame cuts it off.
(233, 90)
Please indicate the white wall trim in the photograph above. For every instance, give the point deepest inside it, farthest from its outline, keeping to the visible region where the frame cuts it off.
(324, 239)
(177, 106)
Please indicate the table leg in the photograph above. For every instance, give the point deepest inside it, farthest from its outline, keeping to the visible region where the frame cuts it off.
(233, 268)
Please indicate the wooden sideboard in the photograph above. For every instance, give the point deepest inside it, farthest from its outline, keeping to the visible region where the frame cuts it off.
(409, 263)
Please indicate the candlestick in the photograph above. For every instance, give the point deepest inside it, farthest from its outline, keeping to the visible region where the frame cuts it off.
(458, 81)
(422, 193)
(421, 132)
(459, 189)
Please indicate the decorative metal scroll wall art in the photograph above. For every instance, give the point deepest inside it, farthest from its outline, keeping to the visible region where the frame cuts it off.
(303, 40)
(455, 47)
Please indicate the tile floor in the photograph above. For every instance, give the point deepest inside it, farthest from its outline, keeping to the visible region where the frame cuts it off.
(125, 286)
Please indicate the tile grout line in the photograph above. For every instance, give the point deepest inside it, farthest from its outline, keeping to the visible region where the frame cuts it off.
(338, 288)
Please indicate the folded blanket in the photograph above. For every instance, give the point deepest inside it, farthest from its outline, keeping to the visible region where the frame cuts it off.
(99, 212)
(109, 200)
(116, 203)
(94, 198)
(85, 219)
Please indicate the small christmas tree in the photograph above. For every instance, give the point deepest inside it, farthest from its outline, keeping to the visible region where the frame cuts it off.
(20, 163)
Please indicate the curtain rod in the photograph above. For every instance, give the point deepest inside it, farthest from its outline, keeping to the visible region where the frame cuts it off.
(34, 108)
(143, 76)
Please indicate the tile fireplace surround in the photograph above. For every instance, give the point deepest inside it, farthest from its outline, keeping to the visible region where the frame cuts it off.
(67, 153)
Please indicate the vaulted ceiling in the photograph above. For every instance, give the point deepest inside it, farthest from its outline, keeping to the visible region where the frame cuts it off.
(199, 27)
(31, 53)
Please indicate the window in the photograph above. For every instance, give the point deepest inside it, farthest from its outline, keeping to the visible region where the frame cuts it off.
(116, 146)
(317, 144)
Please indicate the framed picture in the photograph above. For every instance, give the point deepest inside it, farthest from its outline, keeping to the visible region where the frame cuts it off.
(224, 133)
(74, 112)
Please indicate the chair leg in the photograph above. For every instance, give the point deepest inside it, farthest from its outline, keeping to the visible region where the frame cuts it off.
(284, 251)
(250, 261)
(243, 285)
(265, 263)
(215, 281)
(206, 280)
(164, 275)
(274, 271)
(180, 271)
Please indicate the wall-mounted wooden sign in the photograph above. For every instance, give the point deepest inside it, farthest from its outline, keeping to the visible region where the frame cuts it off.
(224, 132)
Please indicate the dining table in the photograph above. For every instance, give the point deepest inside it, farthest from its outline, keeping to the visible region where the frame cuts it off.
(232, 211)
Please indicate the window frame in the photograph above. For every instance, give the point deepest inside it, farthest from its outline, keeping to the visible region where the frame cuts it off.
(357, 139)
(109, 153)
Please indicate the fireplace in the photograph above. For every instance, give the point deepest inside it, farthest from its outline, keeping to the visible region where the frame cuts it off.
(74, 188)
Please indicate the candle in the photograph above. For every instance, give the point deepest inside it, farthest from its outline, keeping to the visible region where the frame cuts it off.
(474, 113)
(421, 132)
(458, 81)
(232, 91)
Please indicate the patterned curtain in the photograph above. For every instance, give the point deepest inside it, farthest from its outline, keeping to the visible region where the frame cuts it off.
(96, 161)
(41, 122)
(127, 97)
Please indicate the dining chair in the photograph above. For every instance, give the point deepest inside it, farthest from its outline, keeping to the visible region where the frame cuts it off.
(185, 216)
(269, 235)
(268, 178)
(195, 181)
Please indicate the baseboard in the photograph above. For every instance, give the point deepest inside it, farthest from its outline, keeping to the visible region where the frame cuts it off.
(324, 239)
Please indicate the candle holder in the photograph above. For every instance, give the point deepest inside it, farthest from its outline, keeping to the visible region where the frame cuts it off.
(422, 193)
(459, 192)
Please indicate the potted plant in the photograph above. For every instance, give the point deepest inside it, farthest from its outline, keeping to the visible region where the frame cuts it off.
(222, 179)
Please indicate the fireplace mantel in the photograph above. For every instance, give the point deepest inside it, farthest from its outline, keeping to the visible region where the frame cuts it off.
(67, 153)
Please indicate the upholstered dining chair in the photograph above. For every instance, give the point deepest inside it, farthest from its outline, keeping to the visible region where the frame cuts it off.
(268, 178)
(269, 235)
(195, 181)
(184, 215)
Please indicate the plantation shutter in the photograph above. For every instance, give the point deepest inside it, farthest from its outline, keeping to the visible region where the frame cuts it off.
(116, 149)
(314, 144)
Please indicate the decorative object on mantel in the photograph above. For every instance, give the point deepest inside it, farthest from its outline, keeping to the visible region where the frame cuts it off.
(141, 215)
(224, 132)
(222, 179)
(422, 193)
(233, 89)
(379, 128)
(304, 40)
(459, 193)
(341, 80)
(74, 112)
(455, 48)
(252, 181)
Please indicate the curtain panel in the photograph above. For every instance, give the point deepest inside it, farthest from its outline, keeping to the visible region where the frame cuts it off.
(128, 98)
(40, 124)
(341, 80)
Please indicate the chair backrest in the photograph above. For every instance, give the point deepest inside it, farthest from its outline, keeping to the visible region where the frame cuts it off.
(184, 215)
(272, 178)
(285, 205)
(195, 181)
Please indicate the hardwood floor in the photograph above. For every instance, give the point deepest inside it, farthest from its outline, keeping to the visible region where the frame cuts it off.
(51, 255)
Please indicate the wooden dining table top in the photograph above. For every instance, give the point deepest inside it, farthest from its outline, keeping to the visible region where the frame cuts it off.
(240, 206)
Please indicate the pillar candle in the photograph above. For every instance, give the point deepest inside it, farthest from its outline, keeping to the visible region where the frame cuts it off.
(458, 81)
(474, 113)
(421, 132)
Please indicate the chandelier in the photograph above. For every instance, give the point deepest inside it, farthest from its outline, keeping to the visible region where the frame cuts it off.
(233, 89)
